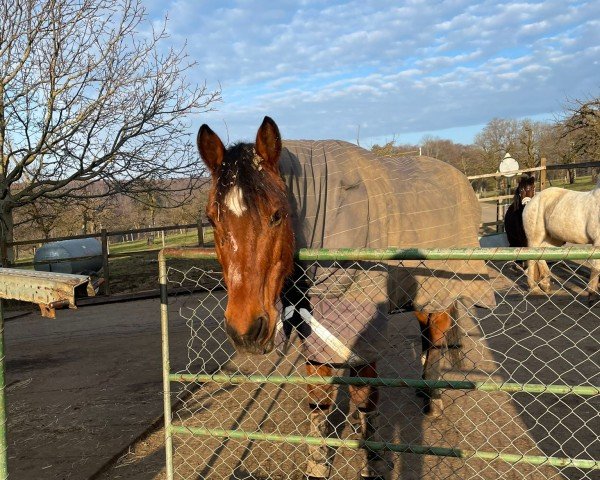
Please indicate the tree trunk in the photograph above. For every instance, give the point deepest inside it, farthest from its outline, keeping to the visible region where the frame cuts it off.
(7, 256)
(571, 174)
(84, 227)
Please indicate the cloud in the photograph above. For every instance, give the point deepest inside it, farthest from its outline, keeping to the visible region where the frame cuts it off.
(321, 69)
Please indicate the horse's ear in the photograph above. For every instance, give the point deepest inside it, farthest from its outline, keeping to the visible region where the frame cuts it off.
(268, 143)
(210, 147)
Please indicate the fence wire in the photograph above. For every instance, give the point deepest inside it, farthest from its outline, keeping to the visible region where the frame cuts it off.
(523, 403)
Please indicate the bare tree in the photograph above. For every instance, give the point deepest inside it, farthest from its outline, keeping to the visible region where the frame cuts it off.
(527, 141)
(393, 149)
(582, 128)
(39, 216)
(498, 137)
(463, 157)
(86, 94)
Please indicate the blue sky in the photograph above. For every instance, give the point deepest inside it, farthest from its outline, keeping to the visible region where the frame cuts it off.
(396, 70)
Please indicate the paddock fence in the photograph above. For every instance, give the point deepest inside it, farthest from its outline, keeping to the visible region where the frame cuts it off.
(545, 175)
(523, 403)
(128, 256)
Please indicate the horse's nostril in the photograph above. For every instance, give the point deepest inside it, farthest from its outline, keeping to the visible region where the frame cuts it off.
(259, 328)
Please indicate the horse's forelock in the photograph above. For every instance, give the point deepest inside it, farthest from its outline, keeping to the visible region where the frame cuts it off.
(243, 184)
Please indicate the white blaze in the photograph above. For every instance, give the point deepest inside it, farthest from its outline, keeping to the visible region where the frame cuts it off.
(236, 277)
(234, 201)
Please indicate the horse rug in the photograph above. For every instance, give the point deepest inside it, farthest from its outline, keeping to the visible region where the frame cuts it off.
(343, 196)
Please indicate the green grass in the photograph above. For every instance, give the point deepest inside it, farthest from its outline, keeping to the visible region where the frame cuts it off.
(582, 184)
(189, 239)
(139, 271)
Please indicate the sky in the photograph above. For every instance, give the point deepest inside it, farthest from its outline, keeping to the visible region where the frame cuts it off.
(381, 70)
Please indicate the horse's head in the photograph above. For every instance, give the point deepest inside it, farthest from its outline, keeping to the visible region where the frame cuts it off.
(250, 213)
(525, 191)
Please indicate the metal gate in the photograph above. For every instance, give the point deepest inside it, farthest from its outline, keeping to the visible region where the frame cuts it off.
(524, 404)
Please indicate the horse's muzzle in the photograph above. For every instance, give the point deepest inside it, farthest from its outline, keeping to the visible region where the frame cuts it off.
(257, 340)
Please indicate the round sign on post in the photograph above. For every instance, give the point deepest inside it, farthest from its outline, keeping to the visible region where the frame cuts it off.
(508, 166)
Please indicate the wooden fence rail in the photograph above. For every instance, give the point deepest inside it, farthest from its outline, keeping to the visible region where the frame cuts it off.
(102, 232)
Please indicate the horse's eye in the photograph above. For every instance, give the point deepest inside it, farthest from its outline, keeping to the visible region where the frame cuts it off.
(276, 218)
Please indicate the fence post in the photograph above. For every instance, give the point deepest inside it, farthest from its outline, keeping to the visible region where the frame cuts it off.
(498, 207)
(164, 327)
(200, 234)
(543, 173)
(3, 437)
(3, 252)
(105, 267)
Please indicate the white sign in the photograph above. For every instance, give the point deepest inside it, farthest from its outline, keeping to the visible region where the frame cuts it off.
(508, 164)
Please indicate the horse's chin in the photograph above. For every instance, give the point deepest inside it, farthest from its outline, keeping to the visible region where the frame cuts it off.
(254, 348)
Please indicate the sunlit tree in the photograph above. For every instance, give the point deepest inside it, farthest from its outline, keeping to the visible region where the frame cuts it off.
(87, 94)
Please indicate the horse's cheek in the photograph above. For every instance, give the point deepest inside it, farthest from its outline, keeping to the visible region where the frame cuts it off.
(280, 266)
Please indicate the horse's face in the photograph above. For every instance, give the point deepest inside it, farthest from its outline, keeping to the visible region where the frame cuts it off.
(249, 211)
(526, 190)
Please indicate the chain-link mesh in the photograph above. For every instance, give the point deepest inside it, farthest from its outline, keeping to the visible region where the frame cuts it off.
(514, 415)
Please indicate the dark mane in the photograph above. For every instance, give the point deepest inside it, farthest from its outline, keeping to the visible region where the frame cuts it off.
(513, 218)
(239, 169)
(516, 203)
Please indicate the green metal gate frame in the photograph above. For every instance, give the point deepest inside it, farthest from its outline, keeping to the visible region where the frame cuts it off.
(496, 254)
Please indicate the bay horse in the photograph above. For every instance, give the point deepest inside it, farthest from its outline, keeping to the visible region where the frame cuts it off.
(268, 198)
(556, 216)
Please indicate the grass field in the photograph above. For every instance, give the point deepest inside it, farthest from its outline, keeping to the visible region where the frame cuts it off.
(582, 184)
(188, 239)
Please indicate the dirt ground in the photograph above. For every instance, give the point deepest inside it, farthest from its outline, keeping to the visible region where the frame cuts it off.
(528, 338)
(82, 387)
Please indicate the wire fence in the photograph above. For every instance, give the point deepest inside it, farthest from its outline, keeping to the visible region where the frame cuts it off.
(523, 402)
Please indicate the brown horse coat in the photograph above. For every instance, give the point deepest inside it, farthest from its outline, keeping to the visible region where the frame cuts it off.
(346, 197)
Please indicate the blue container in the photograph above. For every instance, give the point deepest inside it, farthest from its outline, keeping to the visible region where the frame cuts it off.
(91, 249)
